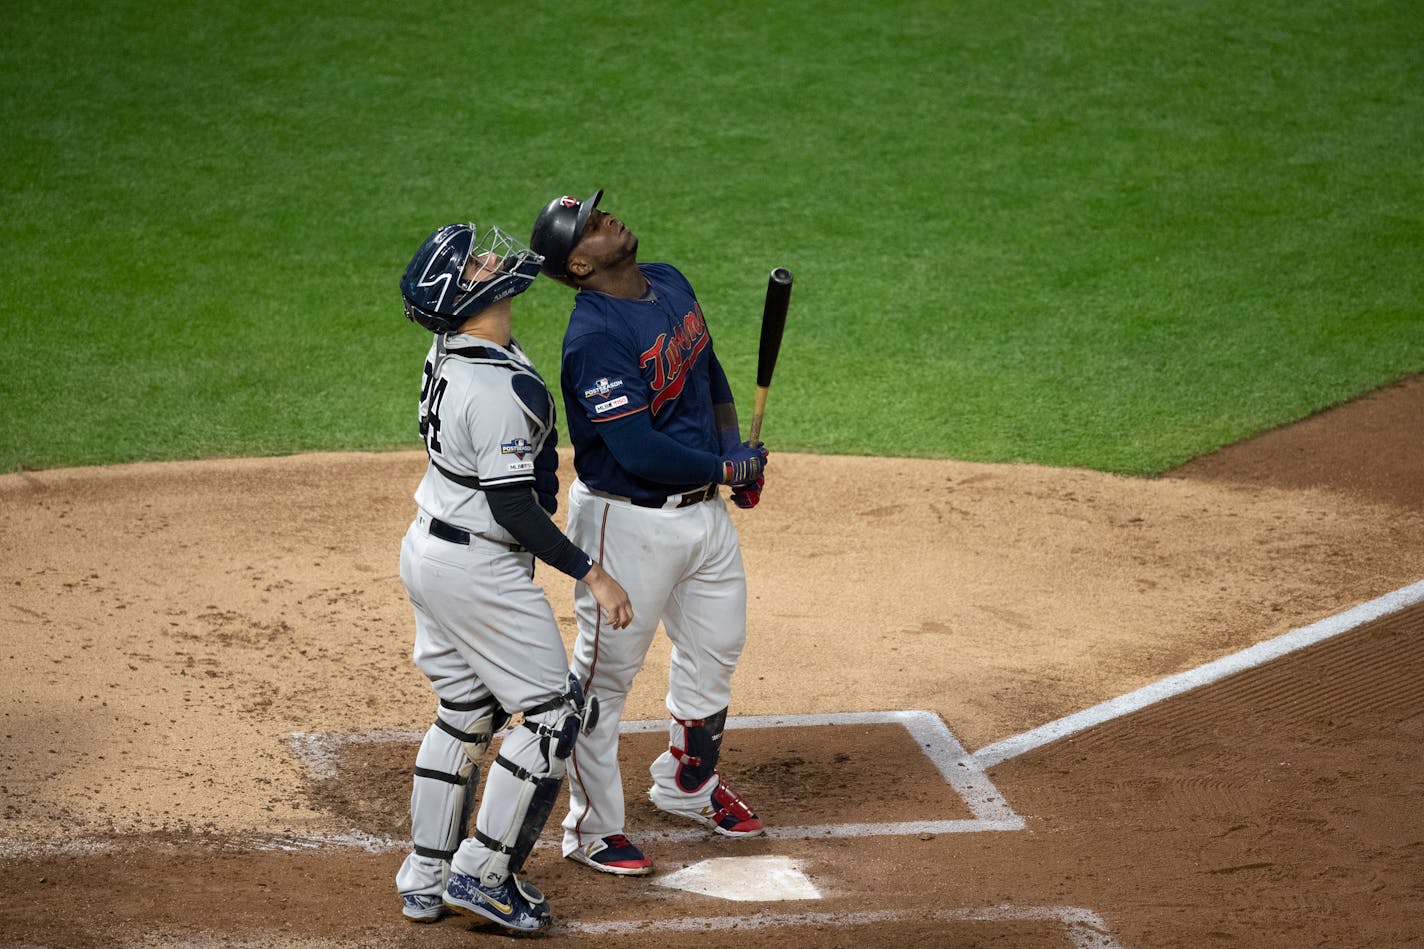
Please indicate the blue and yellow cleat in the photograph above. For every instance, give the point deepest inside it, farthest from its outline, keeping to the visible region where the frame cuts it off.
(513, 904)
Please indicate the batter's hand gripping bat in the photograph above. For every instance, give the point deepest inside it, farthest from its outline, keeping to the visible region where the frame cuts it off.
(773, 322)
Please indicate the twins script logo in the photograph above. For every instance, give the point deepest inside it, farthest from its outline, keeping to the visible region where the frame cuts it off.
(672, 354)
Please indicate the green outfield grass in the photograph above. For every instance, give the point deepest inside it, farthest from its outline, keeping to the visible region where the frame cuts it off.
(1103, 233)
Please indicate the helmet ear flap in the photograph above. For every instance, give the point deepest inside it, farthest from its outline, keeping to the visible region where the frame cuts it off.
(431, 321)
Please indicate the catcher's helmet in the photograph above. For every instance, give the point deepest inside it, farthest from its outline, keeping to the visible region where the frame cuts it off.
(558, 229)
(459, 271)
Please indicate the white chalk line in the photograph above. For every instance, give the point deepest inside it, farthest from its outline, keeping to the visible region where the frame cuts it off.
(960, 769)
(351, 840)
(1084, 928)
(318, 751)
(1249, 658)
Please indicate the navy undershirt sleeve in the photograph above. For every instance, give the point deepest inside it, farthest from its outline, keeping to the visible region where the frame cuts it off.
(656, 457)
(515, 509)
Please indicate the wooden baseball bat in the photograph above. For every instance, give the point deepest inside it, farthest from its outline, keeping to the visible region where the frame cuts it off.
(773, 323)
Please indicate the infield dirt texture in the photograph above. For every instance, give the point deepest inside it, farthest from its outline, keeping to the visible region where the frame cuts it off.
(167, 629)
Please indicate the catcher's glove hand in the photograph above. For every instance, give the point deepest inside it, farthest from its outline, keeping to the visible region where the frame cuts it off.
(746, 495)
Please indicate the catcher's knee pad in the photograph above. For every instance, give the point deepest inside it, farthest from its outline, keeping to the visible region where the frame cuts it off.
(539, 765)
(559, 721)
(696, 744)
(447, 770)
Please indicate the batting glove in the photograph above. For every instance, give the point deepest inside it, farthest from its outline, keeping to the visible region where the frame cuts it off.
(746, 496)
(744, 463)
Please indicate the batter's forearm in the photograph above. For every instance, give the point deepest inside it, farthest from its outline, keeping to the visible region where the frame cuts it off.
(729, 433)
(724, 408)
(656, 457)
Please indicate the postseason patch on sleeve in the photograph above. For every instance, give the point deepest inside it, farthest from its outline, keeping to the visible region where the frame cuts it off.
(522, 452)
(602, 389)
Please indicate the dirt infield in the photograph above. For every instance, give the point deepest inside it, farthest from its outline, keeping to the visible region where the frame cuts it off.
(171, 632)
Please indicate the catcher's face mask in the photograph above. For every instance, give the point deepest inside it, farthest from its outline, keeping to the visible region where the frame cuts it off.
(461, 270)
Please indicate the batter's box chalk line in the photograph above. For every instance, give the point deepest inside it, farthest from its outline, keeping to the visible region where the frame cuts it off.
(1083, 928)
(961, 770)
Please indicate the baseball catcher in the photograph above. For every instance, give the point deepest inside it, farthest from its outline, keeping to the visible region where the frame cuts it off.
(485, 635)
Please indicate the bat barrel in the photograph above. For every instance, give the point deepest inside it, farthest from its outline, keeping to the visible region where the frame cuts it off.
(773, 321)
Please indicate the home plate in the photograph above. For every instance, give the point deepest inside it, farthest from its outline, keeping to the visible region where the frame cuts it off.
(761, 879)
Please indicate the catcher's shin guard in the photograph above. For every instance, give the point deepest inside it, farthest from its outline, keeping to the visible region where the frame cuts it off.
(535, 758)
(534, 797)
(696, 744)
(447, 770)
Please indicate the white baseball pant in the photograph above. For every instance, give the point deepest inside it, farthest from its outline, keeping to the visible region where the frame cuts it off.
(680, 565)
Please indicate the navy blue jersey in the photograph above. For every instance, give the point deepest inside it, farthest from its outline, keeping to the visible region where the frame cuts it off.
(653, 355)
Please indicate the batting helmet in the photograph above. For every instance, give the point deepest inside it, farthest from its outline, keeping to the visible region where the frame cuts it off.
(459, 271)
(558, 229)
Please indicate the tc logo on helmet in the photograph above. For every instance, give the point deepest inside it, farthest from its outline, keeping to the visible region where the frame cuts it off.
(568, 202)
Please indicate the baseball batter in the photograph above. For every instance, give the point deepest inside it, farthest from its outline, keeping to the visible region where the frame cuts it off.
(485, 635)
(654, 431)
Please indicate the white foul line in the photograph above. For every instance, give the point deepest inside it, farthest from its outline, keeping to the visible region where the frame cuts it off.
(1256, 655)
(1084, 928)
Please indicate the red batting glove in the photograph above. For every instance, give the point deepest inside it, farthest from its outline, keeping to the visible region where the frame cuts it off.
(746, 496)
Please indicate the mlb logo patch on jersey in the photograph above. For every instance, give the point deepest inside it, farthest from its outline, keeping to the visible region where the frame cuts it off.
(518, 447)
(610, 405)
(601, 388)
